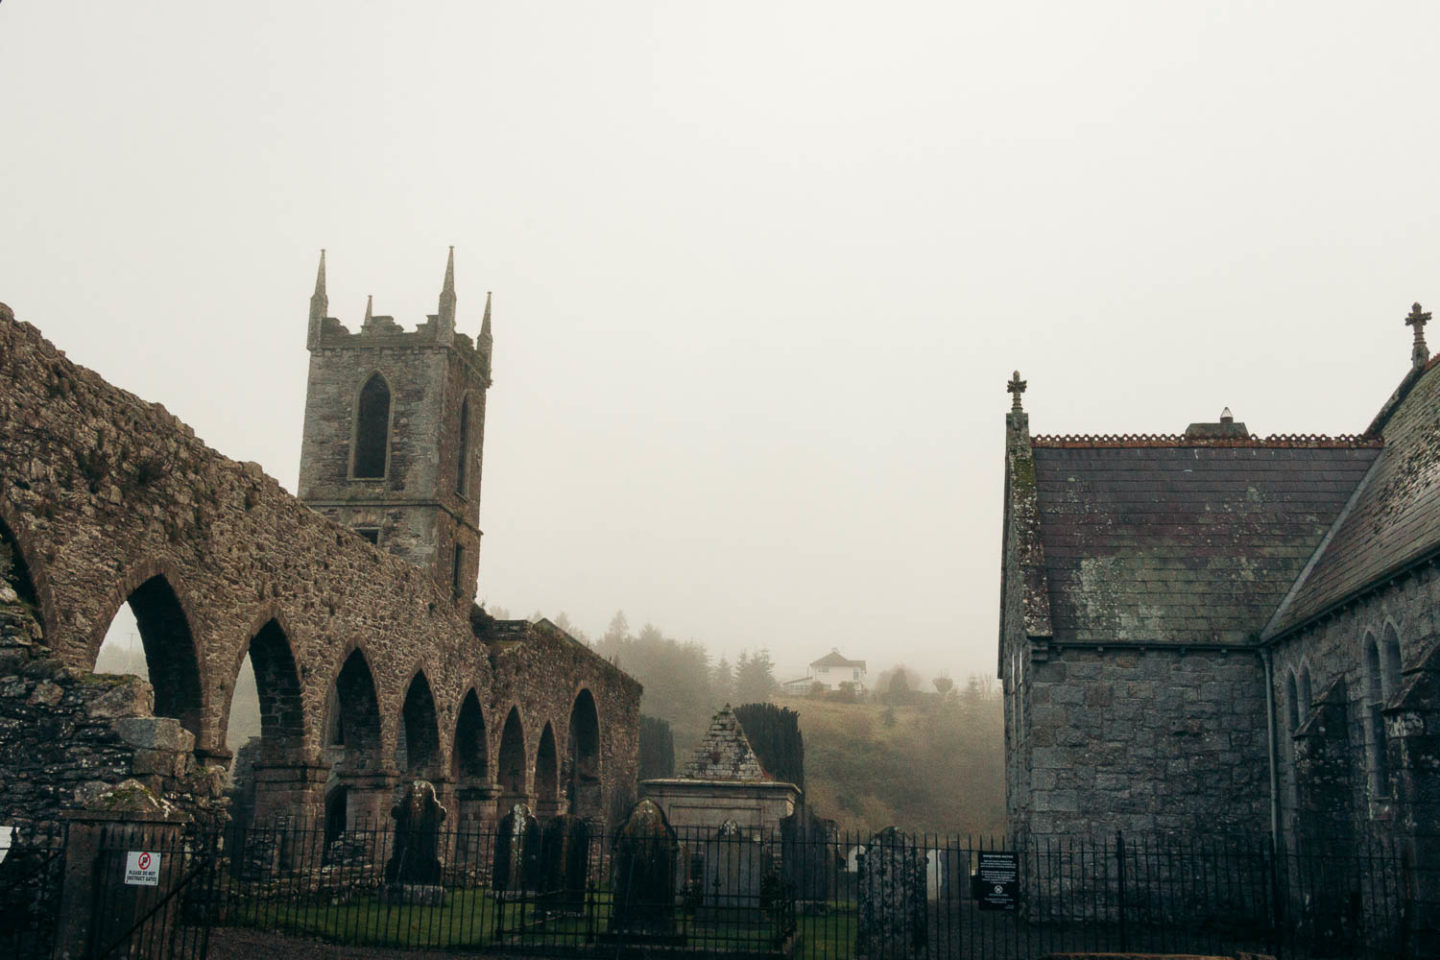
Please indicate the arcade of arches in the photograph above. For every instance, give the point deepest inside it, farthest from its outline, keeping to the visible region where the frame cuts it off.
(367, 673)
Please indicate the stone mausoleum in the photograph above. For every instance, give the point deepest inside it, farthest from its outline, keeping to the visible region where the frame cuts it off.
(724, 783)
(1215, 633)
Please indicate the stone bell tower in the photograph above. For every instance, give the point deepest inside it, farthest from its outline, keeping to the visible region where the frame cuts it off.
(394, 433)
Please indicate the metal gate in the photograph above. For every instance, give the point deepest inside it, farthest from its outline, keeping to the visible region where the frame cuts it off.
(30, 878)
(151, 896)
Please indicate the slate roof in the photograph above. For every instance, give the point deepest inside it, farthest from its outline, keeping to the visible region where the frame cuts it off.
(1181, 540)
(1395, 518)
(834, 659)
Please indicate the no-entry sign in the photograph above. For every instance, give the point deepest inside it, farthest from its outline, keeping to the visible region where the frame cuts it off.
(142, 868)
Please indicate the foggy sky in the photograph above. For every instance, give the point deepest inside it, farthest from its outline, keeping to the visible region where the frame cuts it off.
(761, 270)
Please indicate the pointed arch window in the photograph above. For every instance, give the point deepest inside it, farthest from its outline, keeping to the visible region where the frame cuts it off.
(1292, 692)
(372, 430)
(1389, 663)
(1375, 722)
(462, 457)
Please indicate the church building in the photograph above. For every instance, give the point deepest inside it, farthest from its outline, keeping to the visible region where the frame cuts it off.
(1214, 634)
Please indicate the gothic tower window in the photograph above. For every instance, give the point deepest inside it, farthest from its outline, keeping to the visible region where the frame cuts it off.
(372, 430)
(1292, 692)
(463, 447)
(457, 569)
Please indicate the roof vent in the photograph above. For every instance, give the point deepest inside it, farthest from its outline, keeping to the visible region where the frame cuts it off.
(1226, 429)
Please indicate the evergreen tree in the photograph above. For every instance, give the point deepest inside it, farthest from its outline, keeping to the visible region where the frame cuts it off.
(563, 622)
(676, 676)
(657, 749)
(619, 630)
(722, 681)
(774, 735)
(754, 677)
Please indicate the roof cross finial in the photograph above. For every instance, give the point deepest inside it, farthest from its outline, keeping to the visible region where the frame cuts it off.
(1015, 387)
(1420, 353)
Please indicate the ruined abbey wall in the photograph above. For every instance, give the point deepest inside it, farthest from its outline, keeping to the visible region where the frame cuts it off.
(110, 498)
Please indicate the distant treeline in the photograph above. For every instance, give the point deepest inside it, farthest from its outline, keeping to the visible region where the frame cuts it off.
(682, 685)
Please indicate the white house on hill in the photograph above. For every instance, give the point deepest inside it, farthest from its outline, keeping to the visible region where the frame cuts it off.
(830, 672)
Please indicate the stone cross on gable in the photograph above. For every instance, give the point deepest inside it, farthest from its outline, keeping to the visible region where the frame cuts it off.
(1420, 353)
(1015, 387)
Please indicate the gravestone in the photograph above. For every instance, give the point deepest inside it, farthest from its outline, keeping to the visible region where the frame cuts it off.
(518, 868)
(733, 867)
(413, 874)
(809, 856)
(566, 860)
(890, 899)
(643, 876)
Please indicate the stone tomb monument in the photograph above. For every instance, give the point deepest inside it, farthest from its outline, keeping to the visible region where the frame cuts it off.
(890, 899)
(413, 874)
(724, 782)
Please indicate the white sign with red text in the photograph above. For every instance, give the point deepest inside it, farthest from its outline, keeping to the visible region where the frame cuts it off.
(142, 868)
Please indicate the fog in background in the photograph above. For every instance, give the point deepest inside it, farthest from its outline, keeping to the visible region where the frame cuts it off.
(761, 270)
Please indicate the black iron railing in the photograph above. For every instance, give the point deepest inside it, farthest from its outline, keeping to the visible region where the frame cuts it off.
(744, 893)
(30, 878)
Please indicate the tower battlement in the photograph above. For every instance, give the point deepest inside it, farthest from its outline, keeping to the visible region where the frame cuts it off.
(394, 432)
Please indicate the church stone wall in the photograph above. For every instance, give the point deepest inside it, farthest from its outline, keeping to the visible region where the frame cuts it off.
(1332, 651)
(1148, 742)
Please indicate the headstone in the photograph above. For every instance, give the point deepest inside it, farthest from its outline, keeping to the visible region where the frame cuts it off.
(513, 868)
(891, 899)
(413, 874)
(566, 860)
(809, 855)
(732, 871)
(643, 875)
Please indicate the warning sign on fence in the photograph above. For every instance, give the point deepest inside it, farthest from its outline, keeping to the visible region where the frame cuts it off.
(996, 882)
(142, 868)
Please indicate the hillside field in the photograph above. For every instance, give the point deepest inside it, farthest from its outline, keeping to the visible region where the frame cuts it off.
(935, 766)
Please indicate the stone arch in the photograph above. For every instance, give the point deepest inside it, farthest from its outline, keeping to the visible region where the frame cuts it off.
(19, 569)
(584, 786)
(1307, 695)
(547, 773)
(510, 762)
(370, 456)
(277, 682)
(1377, 763)
(171, 658)
(470, 758)
(355, 721)
(417, 744)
